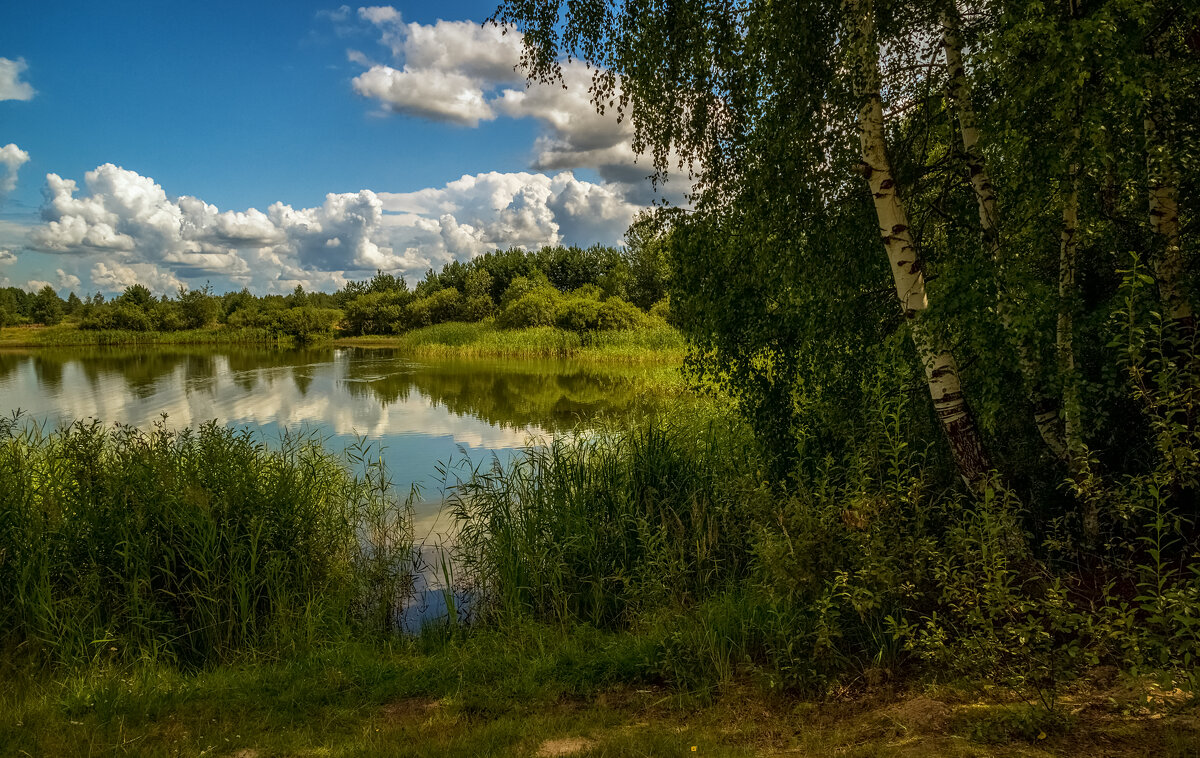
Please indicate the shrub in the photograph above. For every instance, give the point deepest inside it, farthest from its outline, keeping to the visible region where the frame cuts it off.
(306, 323)
(478, 307)
(578, 314)
(439, 307)
(380, 312)
(616, 313)
(537, 307)
(198, 308)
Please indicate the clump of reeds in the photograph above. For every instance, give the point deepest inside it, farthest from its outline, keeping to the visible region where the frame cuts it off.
(193, 545)
(595, 526)
(485, 339)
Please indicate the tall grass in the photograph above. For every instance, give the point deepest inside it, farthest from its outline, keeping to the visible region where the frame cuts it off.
(189, 545)
(70, 335)
(596, 526)
(485, 339)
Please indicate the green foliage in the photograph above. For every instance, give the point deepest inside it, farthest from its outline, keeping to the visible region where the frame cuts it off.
(440, 306)
(378, 312)
(198, 308)
(306, 323)
(189, 545)
(574, 288)
(647, 254)
(537, 307)
(47, 307)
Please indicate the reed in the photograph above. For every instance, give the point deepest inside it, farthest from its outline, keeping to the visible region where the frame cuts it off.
(597, 526)
(70, 335)
(486, 340)
(190, 545)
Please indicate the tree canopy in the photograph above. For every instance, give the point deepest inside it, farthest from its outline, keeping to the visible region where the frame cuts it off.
(1040, 155)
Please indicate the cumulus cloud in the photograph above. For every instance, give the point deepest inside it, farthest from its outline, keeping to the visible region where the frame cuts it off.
(115, 277)
(6, 257)
(131, 218)
(137, 233)
(11, 86)
(465, 73)
(67, 281)
(438, 95)
(483, 212)
(11, 158)
(37, 285)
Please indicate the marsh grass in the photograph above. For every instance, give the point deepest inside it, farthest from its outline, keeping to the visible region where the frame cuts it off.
(592, 527)
(70, 335)
(191, 545)
(486, 340)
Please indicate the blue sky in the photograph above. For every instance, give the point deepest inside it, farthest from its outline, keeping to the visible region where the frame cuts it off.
(204, 143)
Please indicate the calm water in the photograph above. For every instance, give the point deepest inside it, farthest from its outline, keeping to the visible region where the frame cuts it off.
(419, 413)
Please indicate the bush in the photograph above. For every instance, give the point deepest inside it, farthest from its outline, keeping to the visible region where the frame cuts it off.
(306, 323)
(478, 307)
(616, 313)
(537, 307)
(198, 308)
(578, 314)
(380, 312)
(167, 317)
(439, 307)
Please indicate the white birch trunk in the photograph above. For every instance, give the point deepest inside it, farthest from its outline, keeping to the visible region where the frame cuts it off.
(1164, 222)
(1066, 320)
(1045, 409)
(941, 371)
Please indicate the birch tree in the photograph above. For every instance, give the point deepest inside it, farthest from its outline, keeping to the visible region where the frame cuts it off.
(941, 369)
(1045, 406)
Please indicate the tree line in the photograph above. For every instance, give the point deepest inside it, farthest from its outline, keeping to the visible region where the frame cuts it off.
(580, 289)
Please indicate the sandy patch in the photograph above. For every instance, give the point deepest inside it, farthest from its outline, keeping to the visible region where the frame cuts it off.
(563, 746)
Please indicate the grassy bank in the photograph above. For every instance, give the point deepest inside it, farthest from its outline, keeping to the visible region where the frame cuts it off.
(635, 589)
(449, 340)
(539, 692)
(70, 335)
(486, 340)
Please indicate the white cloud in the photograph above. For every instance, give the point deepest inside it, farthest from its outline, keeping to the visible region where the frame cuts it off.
(11, 158)
(11, 86)
(437, 95)
(465, 73)
(115, 277)
(6, 257)
(135, 232)
(67, 281)
(36, 285)
(476, 214)
(129, 219)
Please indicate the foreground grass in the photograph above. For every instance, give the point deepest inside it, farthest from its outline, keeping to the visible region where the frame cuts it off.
(486, 340)
(70, 335)
(536, 691)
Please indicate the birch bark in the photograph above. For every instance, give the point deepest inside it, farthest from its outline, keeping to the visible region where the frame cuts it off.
(1045, 409)
(941, 370)
(1164, 221)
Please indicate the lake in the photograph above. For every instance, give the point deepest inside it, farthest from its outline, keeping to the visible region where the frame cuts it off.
(419, 415)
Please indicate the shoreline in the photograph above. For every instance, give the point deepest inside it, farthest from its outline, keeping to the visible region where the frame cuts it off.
(452, 340)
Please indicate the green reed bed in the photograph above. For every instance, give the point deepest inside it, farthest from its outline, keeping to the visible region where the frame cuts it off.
(486, 340)
(595, 527)
(192, 545)
(70, 335)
